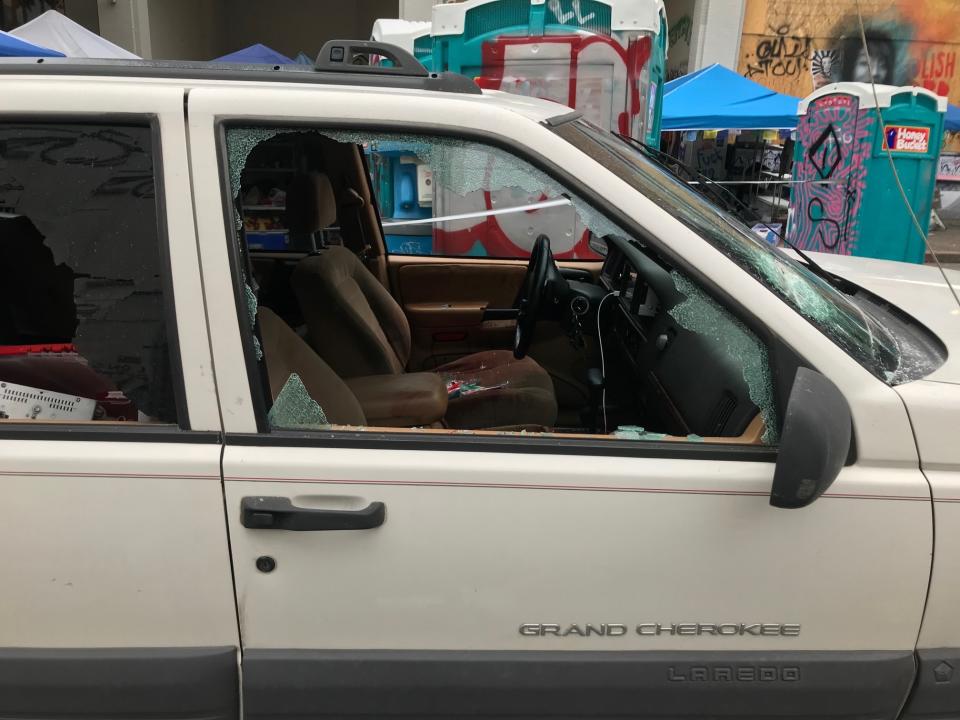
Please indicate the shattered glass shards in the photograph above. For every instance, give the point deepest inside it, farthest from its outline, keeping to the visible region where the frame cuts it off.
(814, 299)
(849, 326)
(241, 141)
(595, 221)
(294, 409)
(914, 360)
(252, 313)
(699, 313)
(635, 432)
(836, 315)
(458, 166)
(463, 167)
(252, 304)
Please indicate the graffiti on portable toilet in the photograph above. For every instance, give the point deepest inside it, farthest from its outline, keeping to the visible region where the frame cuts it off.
(832, 174)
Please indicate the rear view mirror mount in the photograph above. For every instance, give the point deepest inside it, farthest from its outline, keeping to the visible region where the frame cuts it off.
(598, 245)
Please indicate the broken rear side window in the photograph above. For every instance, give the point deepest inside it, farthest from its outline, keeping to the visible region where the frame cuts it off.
(82, 307)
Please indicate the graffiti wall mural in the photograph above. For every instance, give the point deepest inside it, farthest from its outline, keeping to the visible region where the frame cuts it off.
(680, 24)
(796, 46)
(834, 137)
(680, 35)
(949, 168)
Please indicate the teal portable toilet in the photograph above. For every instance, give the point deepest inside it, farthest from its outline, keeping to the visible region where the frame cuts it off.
(606, 58)
(845, 198)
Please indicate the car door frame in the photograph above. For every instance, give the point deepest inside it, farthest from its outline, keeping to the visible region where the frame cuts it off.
(123, 580)
(287, 463)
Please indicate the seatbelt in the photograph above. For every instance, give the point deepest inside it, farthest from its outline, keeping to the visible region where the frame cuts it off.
(355, 202)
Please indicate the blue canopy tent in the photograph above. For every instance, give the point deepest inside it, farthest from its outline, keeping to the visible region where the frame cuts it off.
(716, 98)
(11, 46)
(952, 122)
(256, 54)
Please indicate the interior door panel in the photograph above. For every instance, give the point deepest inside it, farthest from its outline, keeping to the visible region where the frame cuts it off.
(448, 303)
(445, 300)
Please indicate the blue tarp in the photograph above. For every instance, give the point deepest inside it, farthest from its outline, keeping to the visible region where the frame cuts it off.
(11, 46)
(716, 98)
(952, 122)
(257, 54)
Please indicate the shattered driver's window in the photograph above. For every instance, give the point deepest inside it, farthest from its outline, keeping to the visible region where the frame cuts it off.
(450, 197)
(650, 359)
(82, 330)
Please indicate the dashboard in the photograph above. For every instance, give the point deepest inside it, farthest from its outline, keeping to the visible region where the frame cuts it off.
(681, 382)
(637, 299)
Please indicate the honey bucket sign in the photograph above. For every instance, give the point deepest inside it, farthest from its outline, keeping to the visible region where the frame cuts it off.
(907, 139)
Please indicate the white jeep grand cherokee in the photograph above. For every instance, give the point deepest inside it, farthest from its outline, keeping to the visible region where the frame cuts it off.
(353, 391)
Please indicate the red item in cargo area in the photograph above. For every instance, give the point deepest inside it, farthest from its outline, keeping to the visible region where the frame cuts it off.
(60, 368)
(46, 348)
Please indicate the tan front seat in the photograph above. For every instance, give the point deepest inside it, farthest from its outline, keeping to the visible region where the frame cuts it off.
(286, 353)
(359, 329)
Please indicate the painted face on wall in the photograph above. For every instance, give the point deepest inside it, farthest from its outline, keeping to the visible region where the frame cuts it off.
(880, 58)
(824, 67)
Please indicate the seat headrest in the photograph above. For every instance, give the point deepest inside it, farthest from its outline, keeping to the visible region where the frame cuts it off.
(311, 205)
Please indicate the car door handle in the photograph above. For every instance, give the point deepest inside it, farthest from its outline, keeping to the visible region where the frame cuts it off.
(500, 313)
(278, 513)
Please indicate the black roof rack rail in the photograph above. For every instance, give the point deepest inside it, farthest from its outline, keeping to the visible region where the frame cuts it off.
(358, 56)
(404, 71)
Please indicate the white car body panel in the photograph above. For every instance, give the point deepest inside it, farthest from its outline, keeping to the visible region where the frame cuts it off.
(119, 546)
(129, 544)
(918, 290)
(122, 543)
(934, 408)
(881, 425)
(477, 544)
(486, 589)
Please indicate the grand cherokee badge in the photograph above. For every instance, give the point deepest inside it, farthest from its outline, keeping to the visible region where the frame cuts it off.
(659, 629)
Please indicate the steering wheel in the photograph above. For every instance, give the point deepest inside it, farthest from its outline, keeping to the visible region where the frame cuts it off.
(542, 271)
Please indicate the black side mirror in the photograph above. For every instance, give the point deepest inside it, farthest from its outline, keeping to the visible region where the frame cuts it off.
(815, 442)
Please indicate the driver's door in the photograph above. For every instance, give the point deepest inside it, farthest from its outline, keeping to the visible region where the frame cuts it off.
(528, 575)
